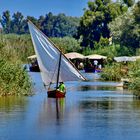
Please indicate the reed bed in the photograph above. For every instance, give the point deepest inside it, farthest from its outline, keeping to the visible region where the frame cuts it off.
(13, 78)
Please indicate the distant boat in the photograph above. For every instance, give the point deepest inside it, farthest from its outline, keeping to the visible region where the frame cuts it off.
(94, 63)
(54, 66)
(33, 64)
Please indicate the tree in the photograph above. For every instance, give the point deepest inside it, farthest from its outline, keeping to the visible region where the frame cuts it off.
(48, 24)
(59, 26)
(136, 12)
(131, 33)
(17, 23)
(40, 22)
(65, 26)
(33, 20)
(66, 44)
(94, 23)
(6, 22)
(118, 26)
(129, 3)
(126, 28)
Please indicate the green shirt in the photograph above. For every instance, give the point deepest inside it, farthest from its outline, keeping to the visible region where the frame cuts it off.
(62, 88)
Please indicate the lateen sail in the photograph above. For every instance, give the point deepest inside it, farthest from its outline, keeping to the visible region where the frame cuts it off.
(48, 56)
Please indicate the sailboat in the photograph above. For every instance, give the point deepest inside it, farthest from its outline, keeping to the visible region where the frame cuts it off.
(54, 66)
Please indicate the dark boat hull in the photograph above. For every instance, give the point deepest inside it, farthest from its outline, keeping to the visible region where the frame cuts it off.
(34, 69)
(55, 94)
(92, 70)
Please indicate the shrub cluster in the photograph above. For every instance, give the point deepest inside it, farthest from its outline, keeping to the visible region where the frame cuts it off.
(14, 79)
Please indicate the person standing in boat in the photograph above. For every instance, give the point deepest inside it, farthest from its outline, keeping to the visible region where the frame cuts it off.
(62, 87)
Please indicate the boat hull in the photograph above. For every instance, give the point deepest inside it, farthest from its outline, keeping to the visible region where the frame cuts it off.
(92, 70)
(55, 94)
(34, 69)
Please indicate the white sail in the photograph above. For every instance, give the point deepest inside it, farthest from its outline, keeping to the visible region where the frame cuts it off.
(48, 59)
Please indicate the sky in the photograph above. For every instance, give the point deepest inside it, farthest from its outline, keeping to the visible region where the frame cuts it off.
(37, 8)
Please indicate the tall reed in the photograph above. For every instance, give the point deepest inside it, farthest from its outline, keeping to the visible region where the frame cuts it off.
(13, 78)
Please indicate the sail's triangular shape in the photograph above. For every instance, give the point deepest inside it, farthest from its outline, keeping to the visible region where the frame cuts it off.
(48, 59)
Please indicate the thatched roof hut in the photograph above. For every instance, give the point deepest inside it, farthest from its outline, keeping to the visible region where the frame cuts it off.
(74, 55)
(95, 56)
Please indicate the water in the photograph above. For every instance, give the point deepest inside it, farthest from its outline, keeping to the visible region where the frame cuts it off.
(91, 110)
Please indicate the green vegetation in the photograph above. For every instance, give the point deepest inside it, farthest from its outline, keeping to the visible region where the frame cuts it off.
(125, 29)
(14, 50)
(108, 28)
(117, 71)
(67, 44)
(119, 22)
(20, 45)
(94, 23)
(134, 76)
(52, 25)
(112, 72)
(13, 78)
(8, 102)
(109, 51)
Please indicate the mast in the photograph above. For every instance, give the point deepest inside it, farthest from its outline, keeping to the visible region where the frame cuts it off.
(58, 73)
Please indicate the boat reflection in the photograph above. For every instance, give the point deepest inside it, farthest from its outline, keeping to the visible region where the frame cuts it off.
(53, 110)
(60, 107)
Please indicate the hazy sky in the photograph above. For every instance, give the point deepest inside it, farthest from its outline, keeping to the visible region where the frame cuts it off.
(42, 7)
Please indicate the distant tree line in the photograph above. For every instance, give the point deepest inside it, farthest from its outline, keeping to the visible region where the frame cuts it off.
(103, 23)
(52, 25)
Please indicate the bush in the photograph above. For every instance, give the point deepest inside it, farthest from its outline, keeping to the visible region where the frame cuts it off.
(67, 44)
(19, 44)
(112, 72)
(134, 76)
(14, 80)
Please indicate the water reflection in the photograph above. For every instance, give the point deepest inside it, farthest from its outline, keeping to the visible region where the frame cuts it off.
(92, 87)
(8, 104)
(52, 110)
(96, 105)
(12, 113)
(12, 108)
(60, 108)
(94, 110)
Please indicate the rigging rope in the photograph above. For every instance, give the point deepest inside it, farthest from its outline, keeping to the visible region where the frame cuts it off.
(53, 74)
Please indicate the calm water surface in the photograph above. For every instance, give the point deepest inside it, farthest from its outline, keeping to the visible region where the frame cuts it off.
(91, 110)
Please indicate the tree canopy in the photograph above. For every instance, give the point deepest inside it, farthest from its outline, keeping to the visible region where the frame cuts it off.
(126, 28)
(52, 25)
(94, 22)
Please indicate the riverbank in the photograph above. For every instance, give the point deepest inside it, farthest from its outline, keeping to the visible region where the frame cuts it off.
(128, 71)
